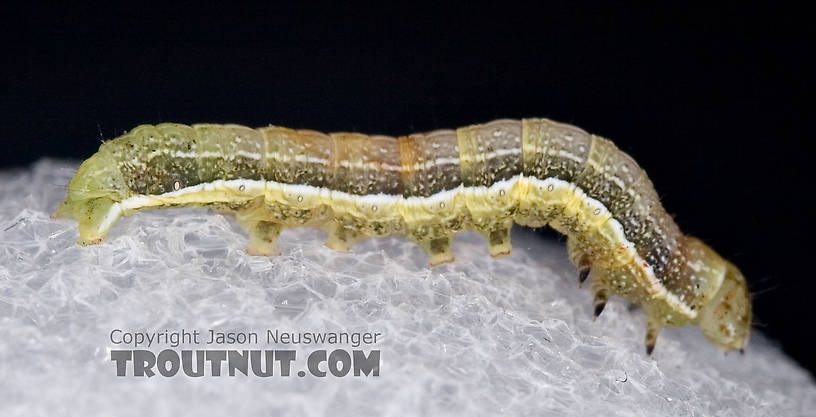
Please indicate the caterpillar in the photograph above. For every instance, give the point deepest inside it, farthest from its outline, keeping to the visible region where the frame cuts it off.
(427, 187)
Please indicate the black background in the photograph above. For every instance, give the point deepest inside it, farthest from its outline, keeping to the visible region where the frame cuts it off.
(712, 102)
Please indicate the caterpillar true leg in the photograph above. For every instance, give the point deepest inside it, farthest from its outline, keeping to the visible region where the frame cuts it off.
(579, 258)
(583, 274)
(653, 327)
(599, 302)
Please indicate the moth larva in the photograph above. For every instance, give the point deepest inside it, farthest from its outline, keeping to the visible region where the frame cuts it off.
(428, 187)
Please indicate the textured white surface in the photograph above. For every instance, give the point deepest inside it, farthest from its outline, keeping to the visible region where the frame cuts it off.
(476, 337)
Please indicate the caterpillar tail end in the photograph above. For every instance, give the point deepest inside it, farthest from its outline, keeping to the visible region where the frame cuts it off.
(64, 210)
(95, 217)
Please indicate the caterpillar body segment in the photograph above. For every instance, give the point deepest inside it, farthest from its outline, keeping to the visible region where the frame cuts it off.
(428, 187)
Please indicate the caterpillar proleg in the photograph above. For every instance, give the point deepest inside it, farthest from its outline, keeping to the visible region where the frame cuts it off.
(428, 187)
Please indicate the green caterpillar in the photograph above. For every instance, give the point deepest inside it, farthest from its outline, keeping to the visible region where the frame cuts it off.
(428, 187)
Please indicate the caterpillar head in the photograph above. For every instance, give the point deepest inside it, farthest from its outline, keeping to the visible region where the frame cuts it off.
(726, 319)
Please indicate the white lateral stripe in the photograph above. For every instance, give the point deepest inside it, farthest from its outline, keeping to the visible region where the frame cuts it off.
(254, 188)
(114, 213)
